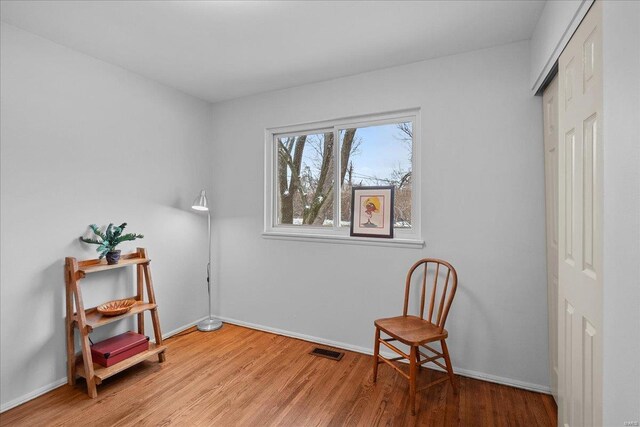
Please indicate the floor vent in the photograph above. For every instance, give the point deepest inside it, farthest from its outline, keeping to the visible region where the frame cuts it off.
(329, 354)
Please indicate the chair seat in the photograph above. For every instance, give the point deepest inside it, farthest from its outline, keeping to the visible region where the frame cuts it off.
(411, 330)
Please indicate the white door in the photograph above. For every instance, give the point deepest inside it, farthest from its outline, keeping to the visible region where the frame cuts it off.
(550, 116)
(580, 226)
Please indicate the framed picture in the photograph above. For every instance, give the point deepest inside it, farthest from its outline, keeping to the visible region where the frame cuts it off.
(372, 211)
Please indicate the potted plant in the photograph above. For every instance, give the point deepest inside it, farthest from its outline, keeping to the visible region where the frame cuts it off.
(108, 241)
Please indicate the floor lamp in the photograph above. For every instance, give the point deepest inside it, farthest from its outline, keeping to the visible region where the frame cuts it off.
(209, 324)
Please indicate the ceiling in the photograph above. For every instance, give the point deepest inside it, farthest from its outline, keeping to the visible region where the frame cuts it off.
(218, 50)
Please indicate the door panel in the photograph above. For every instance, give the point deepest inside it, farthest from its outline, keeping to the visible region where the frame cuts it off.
(580, 226)
(588, 178)
(568, 178)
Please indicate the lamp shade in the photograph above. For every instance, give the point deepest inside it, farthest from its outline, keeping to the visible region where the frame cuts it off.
(200, 203)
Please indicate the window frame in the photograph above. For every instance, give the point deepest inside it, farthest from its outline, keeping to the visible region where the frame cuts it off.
(402, 237)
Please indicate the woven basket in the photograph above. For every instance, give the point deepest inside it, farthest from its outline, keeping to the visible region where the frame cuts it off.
(114, 308)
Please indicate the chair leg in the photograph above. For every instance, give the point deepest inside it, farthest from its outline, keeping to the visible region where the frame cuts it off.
(376, 351)
(447, 360)
(412, 378)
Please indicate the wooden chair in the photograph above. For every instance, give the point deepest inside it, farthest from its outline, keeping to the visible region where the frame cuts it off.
(416, 332)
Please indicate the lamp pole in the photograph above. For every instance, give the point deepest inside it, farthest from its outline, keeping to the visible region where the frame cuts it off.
(209, 262)
(209, 324)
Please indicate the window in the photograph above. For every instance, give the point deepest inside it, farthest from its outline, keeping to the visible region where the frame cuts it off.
(311, 169)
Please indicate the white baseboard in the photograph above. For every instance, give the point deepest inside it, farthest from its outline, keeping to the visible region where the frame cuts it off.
(369, 351)
(502, 380)
(62, 381)
(32, 395)
(181, 329)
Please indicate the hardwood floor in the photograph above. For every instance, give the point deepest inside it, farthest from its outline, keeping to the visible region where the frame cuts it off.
(242, 377)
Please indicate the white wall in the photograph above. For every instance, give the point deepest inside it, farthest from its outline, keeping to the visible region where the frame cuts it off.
(557, 22)
(483, 209)
(621, 127)
(83, 141)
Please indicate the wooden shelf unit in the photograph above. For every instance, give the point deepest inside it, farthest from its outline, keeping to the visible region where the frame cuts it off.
(86, 320)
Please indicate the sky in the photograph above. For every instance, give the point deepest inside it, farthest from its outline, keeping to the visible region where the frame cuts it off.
(380, 152)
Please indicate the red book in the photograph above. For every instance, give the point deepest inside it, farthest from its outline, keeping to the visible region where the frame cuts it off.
(116, 349)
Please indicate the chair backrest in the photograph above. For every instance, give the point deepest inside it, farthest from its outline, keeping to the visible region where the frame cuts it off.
(442, 274)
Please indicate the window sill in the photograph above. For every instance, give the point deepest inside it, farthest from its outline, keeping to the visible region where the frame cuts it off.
(345, 240)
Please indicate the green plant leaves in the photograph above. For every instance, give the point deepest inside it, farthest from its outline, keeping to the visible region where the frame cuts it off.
(128, 237)
(96, 231)
(110, 238)
(92, 241)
